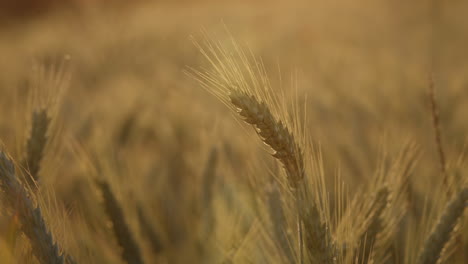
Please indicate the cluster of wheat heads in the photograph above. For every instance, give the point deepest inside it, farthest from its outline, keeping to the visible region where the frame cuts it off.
(306, 222)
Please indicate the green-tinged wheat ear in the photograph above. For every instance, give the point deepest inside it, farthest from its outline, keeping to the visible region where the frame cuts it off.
(273, 132)
(130, 250)
(441, 234)
(17, 199)
(35, 146)
(369, 236)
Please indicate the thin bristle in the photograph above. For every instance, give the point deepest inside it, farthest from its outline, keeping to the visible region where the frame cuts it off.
(130, 250)
(442, 232)
(32, 224)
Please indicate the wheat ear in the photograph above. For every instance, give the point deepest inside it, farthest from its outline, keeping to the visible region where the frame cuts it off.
(130, 250)
(273, 133)
(241, 82)
(48, 83)
(279, 221)
(35, 145)
(318, 239)
(32, 224)
(436, 241)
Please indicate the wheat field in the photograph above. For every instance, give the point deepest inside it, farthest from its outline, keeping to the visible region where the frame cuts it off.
(234, 132)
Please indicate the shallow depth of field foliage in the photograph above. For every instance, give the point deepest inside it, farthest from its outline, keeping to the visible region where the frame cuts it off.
(234, 132)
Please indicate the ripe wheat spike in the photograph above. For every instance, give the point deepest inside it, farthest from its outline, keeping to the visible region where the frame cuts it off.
(240, 81)
(441, 234)
(32, 223)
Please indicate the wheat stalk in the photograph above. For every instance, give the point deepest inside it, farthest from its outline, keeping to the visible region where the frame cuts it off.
(32, 224)
(241, 82)
(316, 233)
(442, 232)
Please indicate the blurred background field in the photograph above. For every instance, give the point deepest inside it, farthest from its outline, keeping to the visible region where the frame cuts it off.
(362, 67)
